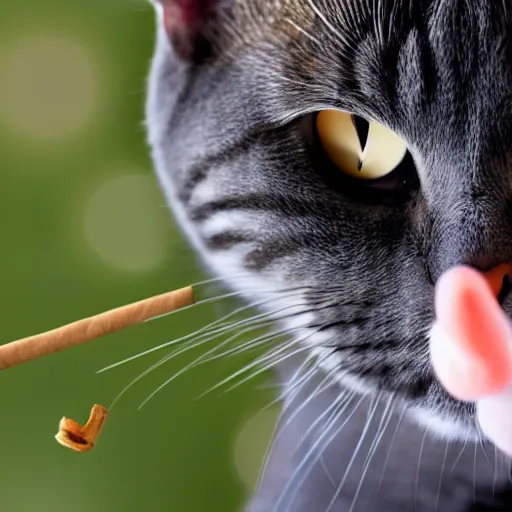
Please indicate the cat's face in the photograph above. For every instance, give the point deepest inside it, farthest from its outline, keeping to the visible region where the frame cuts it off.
(233, 131)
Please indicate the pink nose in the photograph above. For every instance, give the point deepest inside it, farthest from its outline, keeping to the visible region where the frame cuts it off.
(473, 354)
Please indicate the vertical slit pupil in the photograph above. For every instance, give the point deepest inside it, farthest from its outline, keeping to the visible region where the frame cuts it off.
(362, 127)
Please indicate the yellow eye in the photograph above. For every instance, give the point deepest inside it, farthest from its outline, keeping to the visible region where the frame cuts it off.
(366, 156)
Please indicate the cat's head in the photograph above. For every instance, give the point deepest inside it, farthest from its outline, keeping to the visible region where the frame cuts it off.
(233, 122)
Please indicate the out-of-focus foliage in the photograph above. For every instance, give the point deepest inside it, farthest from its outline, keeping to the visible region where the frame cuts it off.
(84, 228)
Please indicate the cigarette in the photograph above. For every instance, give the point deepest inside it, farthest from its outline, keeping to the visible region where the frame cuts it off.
(89, 329)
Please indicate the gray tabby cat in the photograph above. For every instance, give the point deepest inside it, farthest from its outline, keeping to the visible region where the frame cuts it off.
(234, 91)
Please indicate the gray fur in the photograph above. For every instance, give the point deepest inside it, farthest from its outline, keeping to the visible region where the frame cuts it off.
(230, 139)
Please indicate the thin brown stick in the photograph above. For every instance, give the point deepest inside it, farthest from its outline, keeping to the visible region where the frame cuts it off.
(88, 329)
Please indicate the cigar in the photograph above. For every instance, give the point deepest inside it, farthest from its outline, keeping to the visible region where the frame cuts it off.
(89, 329)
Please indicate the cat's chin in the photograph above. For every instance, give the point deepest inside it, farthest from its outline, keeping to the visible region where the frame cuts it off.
(444, 427)
(441, 424)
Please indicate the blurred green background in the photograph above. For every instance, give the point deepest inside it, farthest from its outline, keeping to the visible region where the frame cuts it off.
(84, 228)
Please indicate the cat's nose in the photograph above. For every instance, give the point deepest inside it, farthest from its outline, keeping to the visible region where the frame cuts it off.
(500, 280)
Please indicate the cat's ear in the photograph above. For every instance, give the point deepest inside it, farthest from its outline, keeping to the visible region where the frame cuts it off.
(185, 21)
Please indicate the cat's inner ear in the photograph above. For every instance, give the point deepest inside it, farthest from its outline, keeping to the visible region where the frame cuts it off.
(184, 20)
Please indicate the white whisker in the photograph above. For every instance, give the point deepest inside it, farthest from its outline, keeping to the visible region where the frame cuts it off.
(327, 472)
(273, 361)
(278, 429)
(323, 440)
(284, 397)
(354, 455)
(416, 486)
(343, 398)
(441, 476)
(458, 457)
(185, 369)
(495, 478)
(209, 326)
(391, 444)
(474, 473)
(176, 353)
(386, 418)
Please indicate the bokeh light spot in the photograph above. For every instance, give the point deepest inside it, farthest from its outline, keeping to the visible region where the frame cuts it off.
(252, 444)
(48, 87)
(125, 223)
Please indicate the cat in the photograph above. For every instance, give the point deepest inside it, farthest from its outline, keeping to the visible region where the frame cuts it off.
(235, 94)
